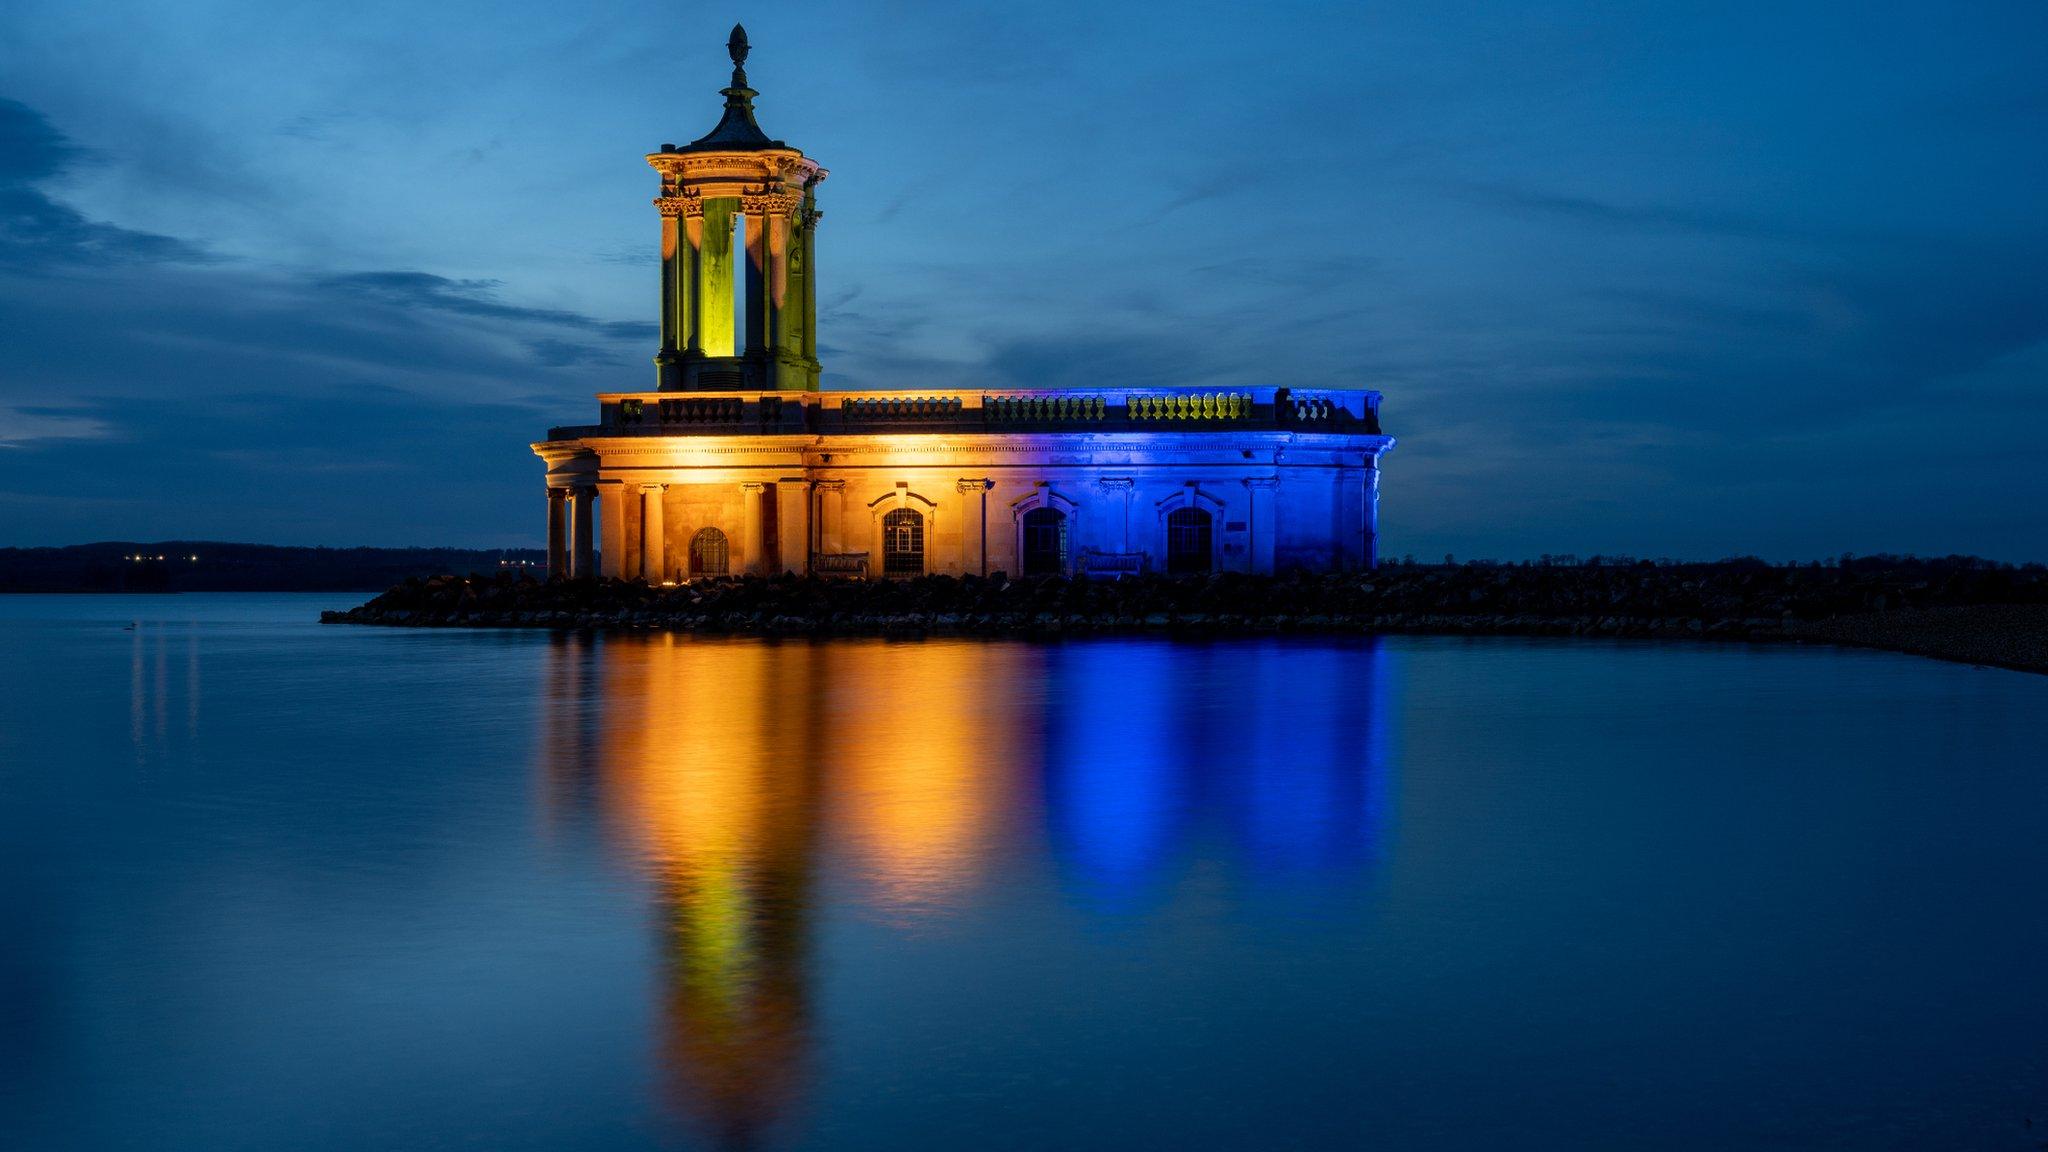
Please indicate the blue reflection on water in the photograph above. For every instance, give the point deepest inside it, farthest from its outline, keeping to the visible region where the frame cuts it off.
(1284, 746)
(1113, 774)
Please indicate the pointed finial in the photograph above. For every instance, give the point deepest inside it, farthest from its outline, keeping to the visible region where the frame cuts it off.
(736, 129)
(736, 47)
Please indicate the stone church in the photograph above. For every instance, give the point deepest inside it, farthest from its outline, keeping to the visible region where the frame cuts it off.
(736, 462)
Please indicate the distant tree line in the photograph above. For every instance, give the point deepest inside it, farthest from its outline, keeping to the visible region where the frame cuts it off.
(213, 566)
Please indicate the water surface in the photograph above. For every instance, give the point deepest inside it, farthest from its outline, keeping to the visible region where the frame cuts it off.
(273, 884)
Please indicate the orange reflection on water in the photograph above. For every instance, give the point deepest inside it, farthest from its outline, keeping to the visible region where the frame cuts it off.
(729, 768)
(925, 758)
(705, 767)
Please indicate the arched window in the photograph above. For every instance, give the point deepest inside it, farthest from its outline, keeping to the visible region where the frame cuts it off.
(1045, 542)
(1189, 536)
(903, 543)
(708, 553)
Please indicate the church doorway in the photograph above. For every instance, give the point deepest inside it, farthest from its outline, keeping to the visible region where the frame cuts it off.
(1045, 542)
(903, 543)
(1190, 541)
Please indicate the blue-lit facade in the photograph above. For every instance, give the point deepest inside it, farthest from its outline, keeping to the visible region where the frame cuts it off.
(735, 462)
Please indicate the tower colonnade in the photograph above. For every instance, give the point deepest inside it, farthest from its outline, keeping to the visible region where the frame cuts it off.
(738, 211)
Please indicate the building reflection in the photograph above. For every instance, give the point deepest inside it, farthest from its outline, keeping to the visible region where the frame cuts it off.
(1273, 756)
(756, 783)
(929, 743)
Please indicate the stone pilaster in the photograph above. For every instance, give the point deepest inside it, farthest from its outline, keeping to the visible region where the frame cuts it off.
(1262, 521)
(1117, 491)
(755, 542)
(1353, 513)
(974, 524)
(792, 524)
(831, 497)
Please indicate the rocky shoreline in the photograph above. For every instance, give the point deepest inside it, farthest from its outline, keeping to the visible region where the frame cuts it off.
(1980, 614)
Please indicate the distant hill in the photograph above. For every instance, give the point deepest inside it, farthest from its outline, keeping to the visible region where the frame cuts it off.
(212, 566)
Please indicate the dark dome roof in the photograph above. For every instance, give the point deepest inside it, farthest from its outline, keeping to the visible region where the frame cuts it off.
(736, 130)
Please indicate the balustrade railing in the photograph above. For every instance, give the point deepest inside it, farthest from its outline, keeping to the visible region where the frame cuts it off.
(1160, 410)
(1045, 409)
(897, 408)
(1208, 406)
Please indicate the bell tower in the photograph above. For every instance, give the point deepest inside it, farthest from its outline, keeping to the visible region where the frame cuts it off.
(738, 286)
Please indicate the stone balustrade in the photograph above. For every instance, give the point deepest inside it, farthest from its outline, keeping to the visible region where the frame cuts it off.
(1051, 410)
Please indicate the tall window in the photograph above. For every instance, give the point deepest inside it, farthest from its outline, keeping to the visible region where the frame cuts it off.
(708, 553)
(1045, 542)
(903, 543)
(1189, 536)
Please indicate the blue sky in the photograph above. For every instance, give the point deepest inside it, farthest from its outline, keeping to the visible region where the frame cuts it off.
(1646, 277)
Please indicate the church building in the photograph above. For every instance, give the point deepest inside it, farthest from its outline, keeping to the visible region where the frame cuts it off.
(736, 462)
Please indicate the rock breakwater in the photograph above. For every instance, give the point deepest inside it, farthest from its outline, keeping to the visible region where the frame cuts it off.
(1721, 601)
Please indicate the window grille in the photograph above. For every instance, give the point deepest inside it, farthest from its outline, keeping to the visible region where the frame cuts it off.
(708, 553)
(1189, 540)
(1045, 542)
(903, 543)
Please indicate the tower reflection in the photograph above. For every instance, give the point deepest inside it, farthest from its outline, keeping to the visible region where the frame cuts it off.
(709, 770)
(758, 784)
(728, 770)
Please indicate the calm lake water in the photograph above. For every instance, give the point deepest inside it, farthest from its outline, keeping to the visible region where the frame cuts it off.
(270, 884)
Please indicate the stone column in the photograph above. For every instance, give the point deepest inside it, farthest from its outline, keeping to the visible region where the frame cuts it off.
(810, 271)
(668, 361)
(754, 543)
(653, 538)
(558, 534)
(583, 528)
(1372, 514)
(614, 559)
(689, 265)
(1262, 522)
(767, 280)
(756, 279)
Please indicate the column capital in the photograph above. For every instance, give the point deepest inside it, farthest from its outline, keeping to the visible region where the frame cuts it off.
(1267, 482)
(654, 487)
(680, 205)
(965, 485)
(1116, 483)
(770, 203)
(752, 486)
(830, 485)
(556, 492)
